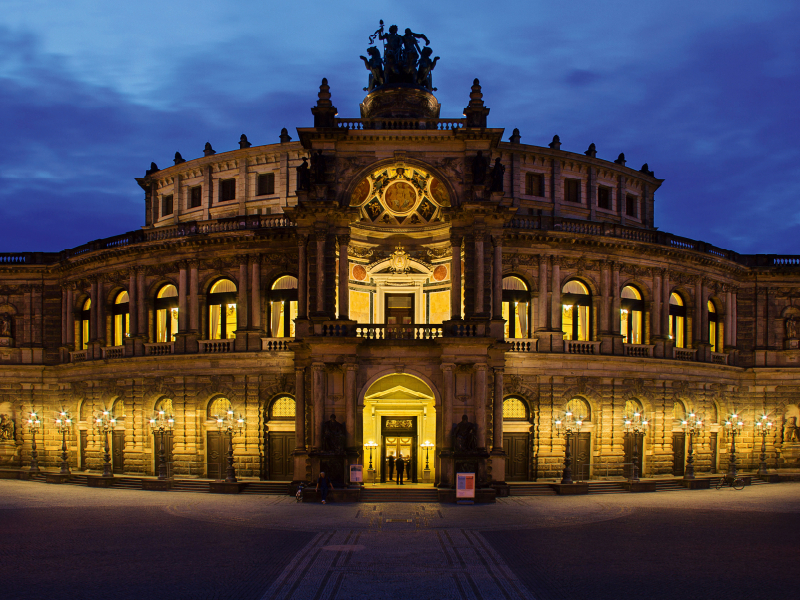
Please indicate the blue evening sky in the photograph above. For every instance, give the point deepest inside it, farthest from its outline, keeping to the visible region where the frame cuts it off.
(706, 92)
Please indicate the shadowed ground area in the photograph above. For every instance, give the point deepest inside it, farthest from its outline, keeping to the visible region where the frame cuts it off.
(68, 542)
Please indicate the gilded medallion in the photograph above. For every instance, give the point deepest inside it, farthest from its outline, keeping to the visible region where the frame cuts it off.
(400, 197)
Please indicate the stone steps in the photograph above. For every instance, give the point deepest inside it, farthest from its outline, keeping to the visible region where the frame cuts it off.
(606, 487)
(275, 488)
(531, 489)
(399, 495)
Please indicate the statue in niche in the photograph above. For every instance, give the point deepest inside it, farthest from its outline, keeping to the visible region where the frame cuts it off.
(318, 167)
(479, 166)
(7, 429)
(426, 65)
(5, 325)
(792, 326)
(333, 436)
(465, 436)
(303, 177)
(375, 67)
(790, 430)
(497, 176)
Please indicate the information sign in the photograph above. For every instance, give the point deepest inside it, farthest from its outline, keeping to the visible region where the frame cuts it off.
(465, 485)
(356, 473)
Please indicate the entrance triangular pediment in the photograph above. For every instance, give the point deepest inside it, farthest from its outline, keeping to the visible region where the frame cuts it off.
(399, 393)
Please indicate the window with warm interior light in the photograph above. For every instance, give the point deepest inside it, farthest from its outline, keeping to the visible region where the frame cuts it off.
(222, 310)
(514, 409)
(122, 318)
(282, 407)
(576, 304)
(631, 310)
(86, 316)
(516, 307)
(166, 309)
(677, 321)
(283, 307)
(219, 407)
(712, 326)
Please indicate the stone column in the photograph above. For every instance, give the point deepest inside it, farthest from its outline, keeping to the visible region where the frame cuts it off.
(497, 415)
(541, 308)
(445, 442)
(320, 237)
(615, 299)
(344, 279)
(140, 289)
(194, 297)
(182, 304)
(302, 277)
(734, 319)
(480, 403)
(70, 317)
(101, 311)
(700, 328)
(728, 314)
(455, 277)
(555, 299)
(479, 272)
(350, 403)
(655, 314)
(255, 292)
(300, 411)
(318, 402)
(133, 306)
(605, 297)
(93, 313)
(665, 294)
(241, 298)
(497, 277)
(64, 309)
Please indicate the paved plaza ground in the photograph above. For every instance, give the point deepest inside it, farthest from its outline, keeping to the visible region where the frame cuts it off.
(69, 542)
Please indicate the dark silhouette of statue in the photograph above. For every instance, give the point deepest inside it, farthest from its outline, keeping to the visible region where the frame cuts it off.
(318, 167)
(479, 166)
(375, 67)
(303, 176)
(465, 437)
(497, 176)
(333, 436)
(425, 67)
(411, 53)
(5, 325)
(393, 50)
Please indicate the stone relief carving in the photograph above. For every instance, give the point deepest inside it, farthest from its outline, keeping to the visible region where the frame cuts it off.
(7, 429)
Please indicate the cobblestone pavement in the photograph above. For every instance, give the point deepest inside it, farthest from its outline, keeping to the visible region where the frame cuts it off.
(74, 542)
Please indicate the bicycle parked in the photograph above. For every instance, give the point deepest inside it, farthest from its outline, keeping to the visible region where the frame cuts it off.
(736, 483)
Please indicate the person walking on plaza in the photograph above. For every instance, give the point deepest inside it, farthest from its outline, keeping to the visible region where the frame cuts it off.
(323, 483)
(391, 467)
(400, 464)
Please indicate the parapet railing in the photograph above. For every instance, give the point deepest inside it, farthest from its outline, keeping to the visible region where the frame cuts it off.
(275, 344)
(522, 344)
(159, 349)
(398, 124)
(215, 346)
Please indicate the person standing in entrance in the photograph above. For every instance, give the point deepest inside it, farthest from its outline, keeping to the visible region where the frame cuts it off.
(400, 464)
(391, 467)
(323, 483)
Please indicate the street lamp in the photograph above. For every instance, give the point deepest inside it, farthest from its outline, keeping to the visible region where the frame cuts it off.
(33, 423)
(692, 426)
(370, 445)
(636, 424)
(227, 425)
(161, 423)
(427, 445)
(733, 425)
(64, 426)
(104, 421)
(567, 425)
(763, 425)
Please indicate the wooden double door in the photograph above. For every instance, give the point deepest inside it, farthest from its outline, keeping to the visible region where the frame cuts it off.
(678, 453)
(517, 449)
(581, 450)
(280, 446)
(118, 451)
(632, 441)
(216, 455)
(169, 444)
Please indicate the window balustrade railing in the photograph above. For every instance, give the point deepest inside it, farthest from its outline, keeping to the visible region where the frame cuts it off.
(113, 352)
(215, 346)
(684, 353)
(276, 344)
(522, 344)
(638, 350)
(580, 347)
(401, 124)
(78, 356)
(399, 332)
(719, 358)
(159, 349)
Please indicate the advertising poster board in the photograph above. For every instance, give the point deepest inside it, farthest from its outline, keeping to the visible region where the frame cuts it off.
(465, 485)
(356, 473)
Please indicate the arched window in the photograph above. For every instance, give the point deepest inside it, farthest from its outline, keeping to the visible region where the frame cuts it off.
(712, 326)
(166, 306)
(678, 412)
(165, 404)
(514, 409)
(118, 411)
(631, 309)
(580, 409)
(632, 407)
(222, 310)
(122, 318)
(283, 306)
(516, 307)
(282, 407)
(576, 311)
(219, 407)
(86, 315)
(677, 320)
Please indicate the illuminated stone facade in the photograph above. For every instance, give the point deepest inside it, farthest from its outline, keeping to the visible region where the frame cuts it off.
(409, 281)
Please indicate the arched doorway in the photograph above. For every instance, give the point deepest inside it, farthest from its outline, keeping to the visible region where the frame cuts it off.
(280, 439)
(399, 418)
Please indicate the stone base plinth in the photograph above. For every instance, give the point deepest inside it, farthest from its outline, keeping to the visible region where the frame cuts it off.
(57, 477)
(502, 490)
(98, 481)
(161, 485)
(482, 496)
(696, 484)
(27, 474)
(639, 486)
(570, 489)
(770, 478)
(9, 474)
(225, 487)
(334, 495)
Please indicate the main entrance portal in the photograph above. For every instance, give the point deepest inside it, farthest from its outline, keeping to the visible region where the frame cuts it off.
(399, 420)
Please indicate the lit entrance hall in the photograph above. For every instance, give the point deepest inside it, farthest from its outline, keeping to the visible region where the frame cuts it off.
(399, 419)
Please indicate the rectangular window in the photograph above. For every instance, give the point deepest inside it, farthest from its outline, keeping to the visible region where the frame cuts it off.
(604, 197)
(196, 196)
(266, 184)
(534, 184)
(227, 190)
(572, 190)
(631, 205)
(166, 205)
